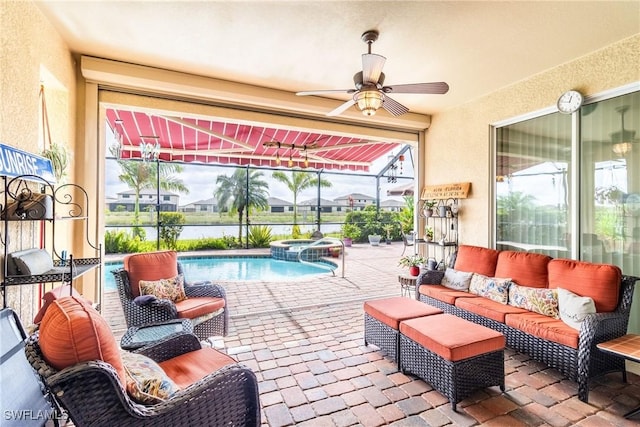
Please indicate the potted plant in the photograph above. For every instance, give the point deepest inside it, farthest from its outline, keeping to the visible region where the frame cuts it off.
(413, 262)
(388, 229)
(428, 233)
(375, 237)
(350, 232)
(428, 207)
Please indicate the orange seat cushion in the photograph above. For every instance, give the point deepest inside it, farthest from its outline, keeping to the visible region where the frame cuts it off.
(444, 294)
(391, 311)
(488, 308)
(601, 282)
(544, 327)
(524, 268)
(451, 337)
(191, 308)
(72, 331)
(150, 266)
(190, 367)
(477, 259)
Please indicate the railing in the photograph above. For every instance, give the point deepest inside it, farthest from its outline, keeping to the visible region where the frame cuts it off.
(322, 264)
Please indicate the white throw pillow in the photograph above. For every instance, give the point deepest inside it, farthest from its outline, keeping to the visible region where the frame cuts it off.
(574, 308)
(458, 280)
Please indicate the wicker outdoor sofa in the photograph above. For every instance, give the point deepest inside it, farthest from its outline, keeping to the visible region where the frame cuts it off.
(543, 337)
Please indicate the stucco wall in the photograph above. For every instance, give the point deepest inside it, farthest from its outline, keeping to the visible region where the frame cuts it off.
(458, 145)
(33, 53)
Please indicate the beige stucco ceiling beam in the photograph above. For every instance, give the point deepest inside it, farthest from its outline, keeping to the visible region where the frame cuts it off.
(142, 78)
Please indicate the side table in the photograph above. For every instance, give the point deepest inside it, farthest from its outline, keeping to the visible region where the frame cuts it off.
(627, 346)
(407, 284)
(139, 336)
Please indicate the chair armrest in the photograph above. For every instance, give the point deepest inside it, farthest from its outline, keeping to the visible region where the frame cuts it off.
(429, 277)
(205, 289)
(171, 346)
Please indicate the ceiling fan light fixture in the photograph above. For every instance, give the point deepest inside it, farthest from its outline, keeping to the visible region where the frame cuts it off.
(369, 101)
(622, 148)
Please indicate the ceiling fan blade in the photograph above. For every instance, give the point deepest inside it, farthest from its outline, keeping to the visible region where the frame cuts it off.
(393, 106)
(341, 109)
(320, 92)
(437, 88)
(372, 67)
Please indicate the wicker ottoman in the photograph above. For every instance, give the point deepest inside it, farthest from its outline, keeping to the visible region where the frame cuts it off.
(455, 356)
(382, 318)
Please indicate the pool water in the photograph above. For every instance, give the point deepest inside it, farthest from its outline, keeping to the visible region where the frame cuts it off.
(232, 268)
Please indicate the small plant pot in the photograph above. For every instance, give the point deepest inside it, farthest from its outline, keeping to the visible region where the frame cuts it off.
(347, 241)
(374, 239)
(414, 270)
(335, 252)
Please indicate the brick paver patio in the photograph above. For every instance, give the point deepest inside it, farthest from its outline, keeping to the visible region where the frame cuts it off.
(303, 339)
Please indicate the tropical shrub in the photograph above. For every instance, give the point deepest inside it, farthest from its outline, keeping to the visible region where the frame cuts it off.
(171, 225)
(259, 236)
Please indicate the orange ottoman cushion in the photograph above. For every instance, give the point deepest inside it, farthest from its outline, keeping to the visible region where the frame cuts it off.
(72, 331)
(150, 266)
(451, 337)
(391, 311)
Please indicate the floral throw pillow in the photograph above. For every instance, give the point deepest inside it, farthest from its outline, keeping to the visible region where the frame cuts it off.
(171, 289)
(539, 300)
(494, 288)
(146, 381)
(458, 280)
(574, 308)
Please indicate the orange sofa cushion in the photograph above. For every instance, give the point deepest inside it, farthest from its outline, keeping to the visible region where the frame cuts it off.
(444, 294)
(72, 331)
(601, 282)
(476, 259)
(190, 367)
(544, 327)
(191, 308)
(524, 268)
(391, 311)
(451, 337)
(488, 308)
(150, 266)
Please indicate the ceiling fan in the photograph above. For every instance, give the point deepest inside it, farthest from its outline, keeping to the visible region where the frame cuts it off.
(370, 93)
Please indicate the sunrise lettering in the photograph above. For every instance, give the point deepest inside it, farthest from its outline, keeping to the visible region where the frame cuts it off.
(16, 163)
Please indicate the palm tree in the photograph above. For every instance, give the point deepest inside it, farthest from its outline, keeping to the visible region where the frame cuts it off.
(236, 194)
(298, 182)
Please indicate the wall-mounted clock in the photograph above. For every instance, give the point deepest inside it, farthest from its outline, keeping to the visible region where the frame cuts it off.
(570, 101)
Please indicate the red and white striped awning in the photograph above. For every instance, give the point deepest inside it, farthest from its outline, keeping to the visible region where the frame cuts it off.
(187, 139)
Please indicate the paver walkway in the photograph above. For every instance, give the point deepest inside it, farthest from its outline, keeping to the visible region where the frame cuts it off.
(303, 338)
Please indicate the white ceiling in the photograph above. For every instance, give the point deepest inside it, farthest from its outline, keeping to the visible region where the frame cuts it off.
(475, 46)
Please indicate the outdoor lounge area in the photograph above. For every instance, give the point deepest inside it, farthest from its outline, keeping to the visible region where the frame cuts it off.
(305, 342)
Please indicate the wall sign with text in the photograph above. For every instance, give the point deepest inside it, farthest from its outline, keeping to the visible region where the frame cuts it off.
(15, 162)
(459, 190)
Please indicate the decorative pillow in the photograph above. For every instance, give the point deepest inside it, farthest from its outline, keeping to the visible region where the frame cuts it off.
(458, 280)
(72, 331)
(574, 308)
(146, 381)
(539, 300)
(33, 262)
(171, 289)
(494, 288)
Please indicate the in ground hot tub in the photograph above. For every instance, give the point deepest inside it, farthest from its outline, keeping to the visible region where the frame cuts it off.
(314, 250)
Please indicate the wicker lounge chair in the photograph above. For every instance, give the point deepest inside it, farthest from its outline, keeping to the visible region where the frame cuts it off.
(220, 391)
(209, 320)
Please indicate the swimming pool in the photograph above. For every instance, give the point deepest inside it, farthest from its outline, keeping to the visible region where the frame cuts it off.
(233, 268)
